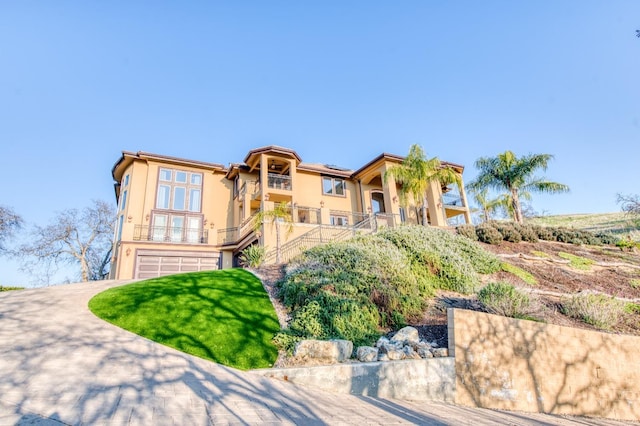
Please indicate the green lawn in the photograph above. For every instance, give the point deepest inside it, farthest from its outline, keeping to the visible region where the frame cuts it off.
(224, 316)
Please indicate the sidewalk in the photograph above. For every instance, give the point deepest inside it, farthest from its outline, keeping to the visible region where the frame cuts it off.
(61, 365)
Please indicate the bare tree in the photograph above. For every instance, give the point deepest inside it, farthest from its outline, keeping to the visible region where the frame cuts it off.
(10, 222)
(629, 203)
(73, 237)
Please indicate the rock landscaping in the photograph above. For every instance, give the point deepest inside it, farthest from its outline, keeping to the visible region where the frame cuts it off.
(404, 344)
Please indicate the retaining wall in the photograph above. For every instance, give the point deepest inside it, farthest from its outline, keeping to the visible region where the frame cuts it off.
(419, 380)
(504, 363)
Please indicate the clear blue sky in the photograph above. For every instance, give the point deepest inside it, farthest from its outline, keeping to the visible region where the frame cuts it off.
(339, 82)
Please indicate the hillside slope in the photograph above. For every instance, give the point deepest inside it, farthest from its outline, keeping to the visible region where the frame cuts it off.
(604, 269)
(619, 224)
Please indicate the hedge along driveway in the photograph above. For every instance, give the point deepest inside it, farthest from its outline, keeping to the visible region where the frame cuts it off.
(224, 316)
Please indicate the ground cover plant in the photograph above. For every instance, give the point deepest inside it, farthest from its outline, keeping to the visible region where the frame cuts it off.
(224, 316)
(357, 288)
(520, 273)
(6, 288)
(577, 262)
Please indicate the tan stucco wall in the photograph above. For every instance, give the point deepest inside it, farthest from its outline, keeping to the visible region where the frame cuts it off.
(504, 363)
(143, 180)
(307, 192)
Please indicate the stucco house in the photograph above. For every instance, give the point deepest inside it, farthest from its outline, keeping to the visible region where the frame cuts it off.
(178, 215)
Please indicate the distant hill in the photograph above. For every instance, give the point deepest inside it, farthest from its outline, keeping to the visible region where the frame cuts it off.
(615, 223)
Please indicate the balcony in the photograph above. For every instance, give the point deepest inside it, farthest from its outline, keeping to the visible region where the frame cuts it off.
(178, 235)
(452, 200)
(276, 181)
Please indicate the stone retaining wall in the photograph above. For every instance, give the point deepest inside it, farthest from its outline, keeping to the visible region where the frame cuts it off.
(419, 380)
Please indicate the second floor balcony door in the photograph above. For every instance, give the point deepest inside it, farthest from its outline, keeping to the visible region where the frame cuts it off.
(159, 227)
(193, 229)
(177, 228)
(172, 228)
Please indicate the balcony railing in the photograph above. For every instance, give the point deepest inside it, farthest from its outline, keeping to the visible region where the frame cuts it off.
(232, 235)
(308, 215)
(277, 181)
(346, 218)
(170, 234)
(452, 200)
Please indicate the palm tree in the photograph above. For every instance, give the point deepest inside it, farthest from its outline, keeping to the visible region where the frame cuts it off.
(416, 173)
(488, 207)
(279, 215)
(507, 172)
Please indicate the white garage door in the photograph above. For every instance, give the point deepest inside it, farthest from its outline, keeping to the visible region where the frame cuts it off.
(157, 263)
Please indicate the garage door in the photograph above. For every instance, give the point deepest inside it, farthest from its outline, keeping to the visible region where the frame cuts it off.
(157, 263)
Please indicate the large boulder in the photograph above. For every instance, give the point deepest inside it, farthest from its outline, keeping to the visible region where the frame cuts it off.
(328, 350)
(406, 335)
(367, 354)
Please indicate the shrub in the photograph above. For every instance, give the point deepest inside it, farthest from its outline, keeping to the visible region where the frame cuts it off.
(635, 283)
(632, 308)
(627, 244)
(527, 233)
(253, 256)
(488, 234)
(286, 341)
(352, 289)
(504, 299)
(508, 231)
(468, 231)
(544, 233)
(575, 236)
(454, 259)
(599, 310)
(566, 235)
(606, 238)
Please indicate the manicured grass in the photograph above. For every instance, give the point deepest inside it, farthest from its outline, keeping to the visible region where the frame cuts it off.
(224, 316)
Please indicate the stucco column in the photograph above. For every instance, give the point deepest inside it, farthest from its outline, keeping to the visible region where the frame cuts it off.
(268, 228)
(390, 193)
(325, 215)
(434, 201)
(463, 196)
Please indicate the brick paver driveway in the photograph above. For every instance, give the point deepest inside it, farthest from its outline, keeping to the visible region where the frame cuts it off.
(59, 364)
